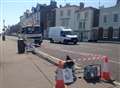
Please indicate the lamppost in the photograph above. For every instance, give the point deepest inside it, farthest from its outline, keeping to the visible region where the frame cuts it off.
(3, 34)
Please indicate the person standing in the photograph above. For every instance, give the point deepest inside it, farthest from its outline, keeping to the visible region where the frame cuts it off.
(70, 64)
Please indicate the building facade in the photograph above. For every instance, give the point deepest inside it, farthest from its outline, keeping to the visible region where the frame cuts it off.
(30, 19)
(42, 15)
(87, 21)
(83, 20)
(65, 16)
(109, 23)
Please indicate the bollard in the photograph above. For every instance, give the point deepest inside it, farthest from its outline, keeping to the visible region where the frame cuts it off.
(21, 46)
(3, 37)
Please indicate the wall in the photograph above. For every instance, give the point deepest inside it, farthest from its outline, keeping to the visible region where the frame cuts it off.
(109, 12)
(71, 18)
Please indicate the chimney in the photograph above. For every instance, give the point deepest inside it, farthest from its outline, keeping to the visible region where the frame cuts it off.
(81, 5)
(53, 3)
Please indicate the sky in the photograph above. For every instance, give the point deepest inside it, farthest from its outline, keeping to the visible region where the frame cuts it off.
(11, 10)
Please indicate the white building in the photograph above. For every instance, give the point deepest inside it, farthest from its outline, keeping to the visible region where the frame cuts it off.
(87, 23)
(109, 22)
(65, 16)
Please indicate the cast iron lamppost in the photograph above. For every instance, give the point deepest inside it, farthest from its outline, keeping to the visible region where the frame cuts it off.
(3, 34)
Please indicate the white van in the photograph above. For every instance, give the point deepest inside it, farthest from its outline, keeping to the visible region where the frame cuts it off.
(62, 35)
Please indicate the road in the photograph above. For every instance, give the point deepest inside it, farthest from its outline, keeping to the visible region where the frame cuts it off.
(87, 53)
(31, 71)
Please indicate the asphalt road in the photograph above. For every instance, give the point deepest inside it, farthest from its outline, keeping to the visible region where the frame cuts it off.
(87, 53)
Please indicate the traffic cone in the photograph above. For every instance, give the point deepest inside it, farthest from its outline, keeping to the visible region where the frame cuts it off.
(105, 74)
(59, 75)
(59, 84)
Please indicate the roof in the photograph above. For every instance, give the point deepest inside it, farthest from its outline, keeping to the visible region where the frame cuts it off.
(30, 26)
(86, 8)
(70, 6)
(116, 6)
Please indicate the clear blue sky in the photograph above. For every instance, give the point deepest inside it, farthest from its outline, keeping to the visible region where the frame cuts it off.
(11, 10)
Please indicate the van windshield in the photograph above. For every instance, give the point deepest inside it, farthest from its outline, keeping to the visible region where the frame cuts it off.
(64, 33)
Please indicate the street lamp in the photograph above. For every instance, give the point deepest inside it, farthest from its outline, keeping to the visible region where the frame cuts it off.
(3, 25)
(3, 35)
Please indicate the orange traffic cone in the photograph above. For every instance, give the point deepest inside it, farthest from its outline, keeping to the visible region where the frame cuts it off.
(59, 75)
(105, 74)
(59, 84)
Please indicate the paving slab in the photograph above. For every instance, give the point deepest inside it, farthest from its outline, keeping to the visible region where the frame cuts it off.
(23, 70)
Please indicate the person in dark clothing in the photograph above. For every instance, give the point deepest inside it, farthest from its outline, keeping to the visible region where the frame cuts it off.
(69, 63)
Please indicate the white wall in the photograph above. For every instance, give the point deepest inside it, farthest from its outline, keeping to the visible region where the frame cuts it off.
(87, 31)
(71, 23)
(109, 12)
(88, 21)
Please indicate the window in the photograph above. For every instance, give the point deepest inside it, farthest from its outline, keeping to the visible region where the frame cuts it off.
(80, 25)
(105, 19)
(62, 34)
(37, 30)
(86, 15)
(83, 25)
(116, 34)
(61, 13)
(78, 16)
(62, 22)
(69, 12)
(115, 18)
(29, 30)
(65, 22)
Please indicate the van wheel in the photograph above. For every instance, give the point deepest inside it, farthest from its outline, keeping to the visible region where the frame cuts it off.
(51, 41)
(65, 42)
(75, 42)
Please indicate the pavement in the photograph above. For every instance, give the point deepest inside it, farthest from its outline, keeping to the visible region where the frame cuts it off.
(31, 71)
(113, 42)
(23, 70)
